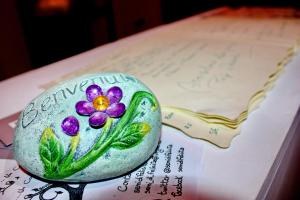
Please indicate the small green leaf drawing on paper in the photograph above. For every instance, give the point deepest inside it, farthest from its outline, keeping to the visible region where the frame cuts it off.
(102, 110)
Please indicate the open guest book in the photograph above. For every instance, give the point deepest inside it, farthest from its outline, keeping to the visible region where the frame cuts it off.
(211, 71)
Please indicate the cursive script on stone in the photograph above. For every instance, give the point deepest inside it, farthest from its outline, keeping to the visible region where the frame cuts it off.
(31, 112)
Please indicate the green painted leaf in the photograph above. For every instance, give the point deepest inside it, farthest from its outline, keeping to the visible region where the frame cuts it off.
(131, 136)
(51, 151)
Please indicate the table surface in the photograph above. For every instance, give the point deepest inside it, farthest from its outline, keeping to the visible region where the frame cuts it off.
(238, 172)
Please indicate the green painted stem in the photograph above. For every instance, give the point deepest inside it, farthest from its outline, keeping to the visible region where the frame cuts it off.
(69, 166)
(67, 160)
(92, 155)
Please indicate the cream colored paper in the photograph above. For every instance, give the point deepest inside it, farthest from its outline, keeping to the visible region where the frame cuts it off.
(208, 73)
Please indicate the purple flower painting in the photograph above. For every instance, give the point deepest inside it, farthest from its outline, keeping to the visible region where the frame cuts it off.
(99, 105)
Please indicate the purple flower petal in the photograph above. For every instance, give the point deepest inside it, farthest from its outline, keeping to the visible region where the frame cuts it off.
(114, 94)
(92, 92)
(115, 110)
(84, 108)
(70, 125)
(98, 119)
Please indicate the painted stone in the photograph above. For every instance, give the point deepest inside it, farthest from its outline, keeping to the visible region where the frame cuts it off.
(90, 128)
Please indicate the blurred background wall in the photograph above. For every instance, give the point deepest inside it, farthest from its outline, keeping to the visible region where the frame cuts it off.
(35, 33)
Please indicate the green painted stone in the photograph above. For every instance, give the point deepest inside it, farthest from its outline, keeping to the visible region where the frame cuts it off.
(91, 153)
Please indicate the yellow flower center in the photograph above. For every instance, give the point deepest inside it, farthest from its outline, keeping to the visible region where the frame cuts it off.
(101, 103)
